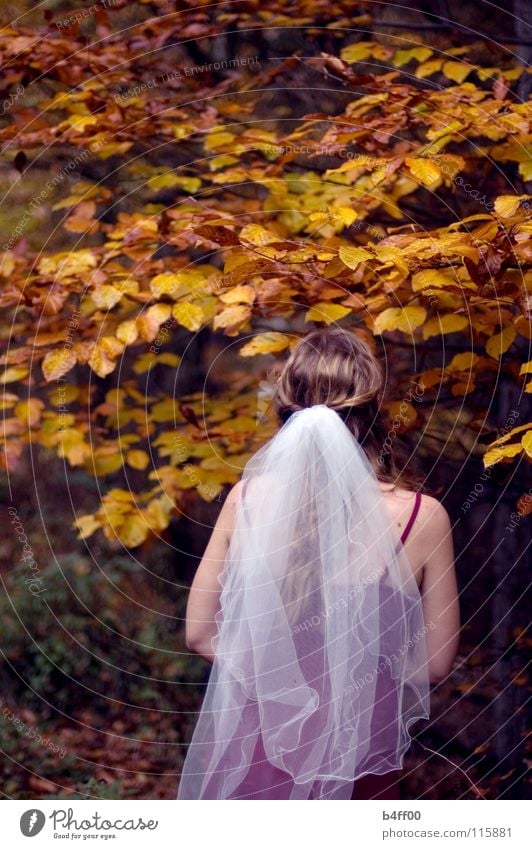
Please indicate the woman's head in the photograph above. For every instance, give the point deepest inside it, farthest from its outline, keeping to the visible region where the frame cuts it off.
(332, 367)
(338, 368)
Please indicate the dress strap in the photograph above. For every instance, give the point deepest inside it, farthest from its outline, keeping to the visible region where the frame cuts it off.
(412, 517)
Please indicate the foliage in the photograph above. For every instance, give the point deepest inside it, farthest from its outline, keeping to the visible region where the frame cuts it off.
(84, 640)
(401, 212)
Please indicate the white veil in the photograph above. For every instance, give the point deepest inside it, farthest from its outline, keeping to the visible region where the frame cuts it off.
(320, 660)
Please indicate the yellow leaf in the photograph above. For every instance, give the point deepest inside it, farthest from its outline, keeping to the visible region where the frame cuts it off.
(240, 424)
(402, 57)
(10, 375)
(102, 359)
(168, 359)
(232, 317)
(72, 445)
(165, 411)
(446, 130)
(113, 149)
(500, 342)
(426, 69)
(526, 442)
(57, 363)
(457, 71)
(353, 256)
(507, 205)
(68, 263)
(221, 161)
(265, 343)
(526, 368)
(188, 315)
(463, 362)
(104, 462)
(166, 284)
(157, 513)
(127, 332)
(511, 433)
(345, 214)
(86, 525)
(143, 363)
(64, 394)
(342, 215)
(405, 319)
(105, 297)
(432, 277)
(238, 295)
(218, 138)
(257, 235)
(172, 180)
(149, 323)
(423, 169)
(447, 323)
(326, 312)
(137, 459)
(29, 411)
(357, 52)
(495, 455)
(133, 531)
(525, 170)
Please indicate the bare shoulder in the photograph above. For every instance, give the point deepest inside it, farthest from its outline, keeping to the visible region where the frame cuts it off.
(433, 535)
(432, 511)
(235, 493)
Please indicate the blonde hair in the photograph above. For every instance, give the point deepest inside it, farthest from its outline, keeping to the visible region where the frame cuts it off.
(338, 368)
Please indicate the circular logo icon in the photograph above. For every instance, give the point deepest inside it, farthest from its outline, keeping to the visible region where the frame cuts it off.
(32, 822)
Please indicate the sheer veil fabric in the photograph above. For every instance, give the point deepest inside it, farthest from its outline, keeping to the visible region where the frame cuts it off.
(320, 661)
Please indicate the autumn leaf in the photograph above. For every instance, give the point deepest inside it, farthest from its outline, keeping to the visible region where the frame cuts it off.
(498, 344)
(133, 530)
(188, 315)
(102, 359)
(405, 319)
(57, 363)
(127, 332)
(137, 459)
(432, 278)
(29, 411)
(353, 256)
(507, 205)
(148, 323)
(424, 170)
(106, 297)
(457, 71)
(232, 318)
(448, 323)
(511, 433)
(86, 525)
(255, 234)
(238, 295)
(265, 343)
(326, 312)
(526, 442)
(505, 452)
(402, 57)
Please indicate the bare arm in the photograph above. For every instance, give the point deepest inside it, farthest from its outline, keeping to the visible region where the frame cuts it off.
(204, 598)
(439, 592)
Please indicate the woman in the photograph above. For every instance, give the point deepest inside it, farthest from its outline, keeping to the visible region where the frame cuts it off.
(326, 599)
